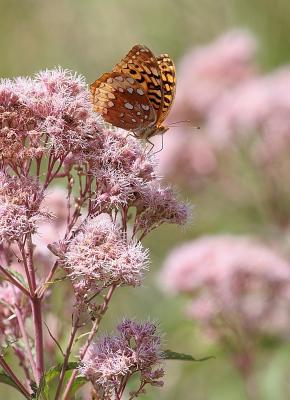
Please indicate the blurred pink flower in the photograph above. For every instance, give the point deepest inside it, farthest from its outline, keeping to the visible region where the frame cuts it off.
(52, 230)
(9, 298)
(234, 278)
(208, 72)
(111, 361)
(261, 107)
(205, 76)
(189, 157)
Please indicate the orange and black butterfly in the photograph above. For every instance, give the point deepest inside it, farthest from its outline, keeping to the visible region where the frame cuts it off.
(138, 93)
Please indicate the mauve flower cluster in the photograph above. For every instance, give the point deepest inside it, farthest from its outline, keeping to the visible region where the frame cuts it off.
(112, 360)
(234, 279)
(20, 211)
(115, 172)
(100, 255)
(49, 132)
(55, 103)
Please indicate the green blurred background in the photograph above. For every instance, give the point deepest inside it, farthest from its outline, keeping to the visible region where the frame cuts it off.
(90, 36)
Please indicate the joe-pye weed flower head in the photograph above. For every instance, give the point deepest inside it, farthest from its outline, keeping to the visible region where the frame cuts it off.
(113, 359)
(235, 278)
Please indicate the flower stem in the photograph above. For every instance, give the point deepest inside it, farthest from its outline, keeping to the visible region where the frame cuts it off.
(9, 372)
(66, 358)
(94, 330)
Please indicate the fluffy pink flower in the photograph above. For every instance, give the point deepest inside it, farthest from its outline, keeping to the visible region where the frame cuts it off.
(159, 205)
(20, 201)
(55, 104)
(100, 255)
(233, 277)
(114, 358)
(121, 170)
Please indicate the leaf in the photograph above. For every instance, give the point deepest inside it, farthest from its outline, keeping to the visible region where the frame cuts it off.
(49, 375)
(8, 381)
(172, 355)
(19, 277)
(78, 382)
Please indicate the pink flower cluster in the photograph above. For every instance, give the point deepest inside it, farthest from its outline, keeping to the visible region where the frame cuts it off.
(54, 103)
(19, 206)
(100, 255)
(91, 231)
(232, 279)
(111, 361)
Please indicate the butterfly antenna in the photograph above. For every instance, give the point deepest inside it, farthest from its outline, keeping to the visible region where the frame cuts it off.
(188, 121)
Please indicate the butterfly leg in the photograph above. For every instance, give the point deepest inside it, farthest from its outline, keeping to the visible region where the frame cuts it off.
(152, 145)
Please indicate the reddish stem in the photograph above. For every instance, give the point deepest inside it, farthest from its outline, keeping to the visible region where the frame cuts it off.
(9, 372)
(94, 330)
(25, 340)
(14, 281)
(66, 358)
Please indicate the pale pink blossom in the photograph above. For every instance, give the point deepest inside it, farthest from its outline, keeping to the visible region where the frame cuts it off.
(20, 200)
(159, 205)
(235, 278)
(112, 360)
(100, 255)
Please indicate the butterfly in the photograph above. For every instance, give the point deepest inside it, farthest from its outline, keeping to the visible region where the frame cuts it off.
(137, 94)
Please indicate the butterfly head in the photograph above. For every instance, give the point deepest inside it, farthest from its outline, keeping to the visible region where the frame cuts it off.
(153, 131)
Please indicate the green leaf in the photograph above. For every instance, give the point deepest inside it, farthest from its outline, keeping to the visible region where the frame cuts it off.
(8, 381)
(172, 355)
(19, 277)
(78, 382)
(50, 374)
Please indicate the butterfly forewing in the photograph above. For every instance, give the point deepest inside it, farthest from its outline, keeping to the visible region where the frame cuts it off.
(122, 102)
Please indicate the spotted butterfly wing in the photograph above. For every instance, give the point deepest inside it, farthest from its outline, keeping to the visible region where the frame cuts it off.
(138, 93)
(167, 70)
(141, 64)
(122, 102)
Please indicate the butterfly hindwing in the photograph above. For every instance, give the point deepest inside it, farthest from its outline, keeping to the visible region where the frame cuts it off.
(122, 101)
(168, 73)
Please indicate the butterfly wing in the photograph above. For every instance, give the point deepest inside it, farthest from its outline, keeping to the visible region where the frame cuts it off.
(122, 102)
(168, 76)
(141, 64)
